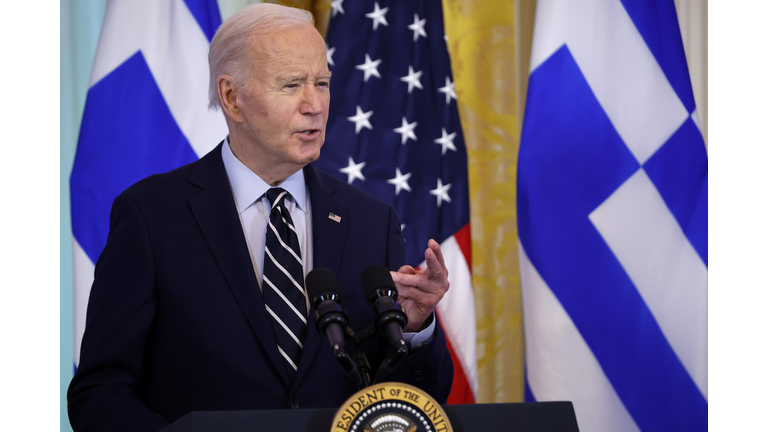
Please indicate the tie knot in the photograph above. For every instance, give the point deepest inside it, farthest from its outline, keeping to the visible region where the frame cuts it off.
(276, 196)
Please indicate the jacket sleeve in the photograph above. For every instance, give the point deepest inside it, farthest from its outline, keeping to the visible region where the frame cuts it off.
(106, 391)
(430, 367)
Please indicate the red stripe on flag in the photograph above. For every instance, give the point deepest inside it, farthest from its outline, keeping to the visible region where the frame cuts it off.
(464, 239)
(461, 392)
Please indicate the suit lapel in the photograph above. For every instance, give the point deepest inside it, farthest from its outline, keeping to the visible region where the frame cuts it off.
(329, 222)
(216, 215)
(329, 234)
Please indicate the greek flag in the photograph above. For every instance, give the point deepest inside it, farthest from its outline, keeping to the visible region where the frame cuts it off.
(145, 113)
(612, 213)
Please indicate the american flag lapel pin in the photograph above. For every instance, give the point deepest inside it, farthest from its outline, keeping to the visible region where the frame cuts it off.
(334, 217)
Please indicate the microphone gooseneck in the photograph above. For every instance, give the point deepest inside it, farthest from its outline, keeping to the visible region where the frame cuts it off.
(381, 293)
(330, 318)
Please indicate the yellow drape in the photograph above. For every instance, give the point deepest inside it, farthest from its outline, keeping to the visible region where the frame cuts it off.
(487, 45)
(321, 9)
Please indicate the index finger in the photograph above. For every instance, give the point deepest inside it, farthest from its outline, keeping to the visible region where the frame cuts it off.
(434, 258)
(435, 246)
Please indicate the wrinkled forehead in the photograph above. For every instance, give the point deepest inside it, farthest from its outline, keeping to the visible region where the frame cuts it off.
(301, 42)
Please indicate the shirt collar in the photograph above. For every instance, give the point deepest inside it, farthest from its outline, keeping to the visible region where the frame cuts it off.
(248, 187)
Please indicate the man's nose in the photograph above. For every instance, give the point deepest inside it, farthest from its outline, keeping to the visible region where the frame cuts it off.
(312, 103)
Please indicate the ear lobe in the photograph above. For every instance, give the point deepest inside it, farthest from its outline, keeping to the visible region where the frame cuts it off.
(229, 98)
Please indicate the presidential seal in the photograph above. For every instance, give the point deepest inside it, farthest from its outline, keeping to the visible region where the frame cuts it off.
(390, 407)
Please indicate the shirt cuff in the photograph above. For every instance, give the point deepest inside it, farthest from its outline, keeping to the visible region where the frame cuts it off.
(417, 340)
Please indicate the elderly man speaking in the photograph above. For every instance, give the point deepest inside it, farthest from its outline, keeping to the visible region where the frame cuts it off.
(198, 301)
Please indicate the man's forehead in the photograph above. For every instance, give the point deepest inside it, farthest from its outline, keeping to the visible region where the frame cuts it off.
(295, 40)
(290, 55)
(299, 66)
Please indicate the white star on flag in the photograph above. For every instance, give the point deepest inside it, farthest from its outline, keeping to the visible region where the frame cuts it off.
(401, 182)
(446, 141)
(406, 131)
(441, 192)
(329, 55)
(418, 27)
(370, 68)
(361, 120)
(413, 79)
(336, 7)
(353, 171)
(448, 89)
(378, 16)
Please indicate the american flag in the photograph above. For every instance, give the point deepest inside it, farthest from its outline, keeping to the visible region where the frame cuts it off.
(394, 131)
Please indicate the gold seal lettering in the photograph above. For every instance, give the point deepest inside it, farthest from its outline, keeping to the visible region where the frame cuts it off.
(440, 425)
(361, 403)
(373, 396)
(431, 411)
(356, 406)
(411, 396)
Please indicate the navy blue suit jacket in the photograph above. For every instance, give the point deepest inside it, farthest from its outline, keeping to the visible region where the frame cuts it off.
(176, 321)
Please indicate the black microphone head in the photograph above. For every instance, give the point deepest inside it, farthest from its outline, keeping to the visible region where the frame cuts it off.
(320, 281)
(377, 277)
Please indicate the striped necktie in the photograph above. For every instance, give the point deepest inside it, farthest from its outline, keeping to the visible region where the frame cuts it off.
(283, 286)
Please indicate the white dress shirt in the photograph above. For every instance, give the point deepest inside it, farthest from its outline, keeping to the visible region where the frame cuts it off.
(254, 209)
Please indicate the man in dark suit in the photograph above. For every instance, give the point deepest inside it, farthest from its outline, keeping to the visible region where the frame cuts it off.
(177, 319)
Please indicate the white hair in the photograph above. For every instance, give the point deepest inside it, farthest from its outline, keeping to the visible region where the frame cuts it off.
(228, 53)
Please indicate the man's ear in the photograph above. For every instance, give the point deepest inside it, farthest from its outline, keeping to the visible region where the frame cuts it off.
(229, 98)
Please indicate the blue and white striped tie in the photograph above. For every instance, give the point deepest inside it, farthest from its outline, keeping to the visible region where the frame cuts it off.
(283, 286)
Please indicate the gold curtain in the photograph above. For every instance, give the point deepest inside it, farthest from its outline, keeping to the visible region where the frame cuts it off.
(490, 44)
(321, 9)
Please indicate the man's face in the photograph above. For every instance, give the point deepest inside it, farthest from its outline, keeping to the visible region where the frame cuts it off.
(284, 104)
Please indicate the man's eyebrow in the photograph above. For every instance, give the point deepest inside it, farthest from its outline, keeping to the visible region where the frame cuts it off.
(291, 79)
(299, 78)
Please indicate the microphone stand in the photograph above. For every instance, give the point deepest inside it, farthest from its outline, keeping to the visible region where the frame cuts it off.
(365, 369)
(362, 369)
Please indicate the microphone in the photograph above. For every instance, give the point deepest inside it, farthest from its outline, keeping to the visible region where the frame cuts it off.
(381, 293)
(330, 317)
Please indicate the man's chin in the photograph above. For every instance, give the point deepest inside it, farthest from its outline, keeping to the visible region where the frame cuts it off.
(309, 160)
(312, 154)
(306, 159)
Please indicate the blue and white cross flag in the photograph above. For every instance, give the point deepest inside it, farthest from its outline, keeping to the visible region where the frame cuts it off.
(146, 112)
(612, 214)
